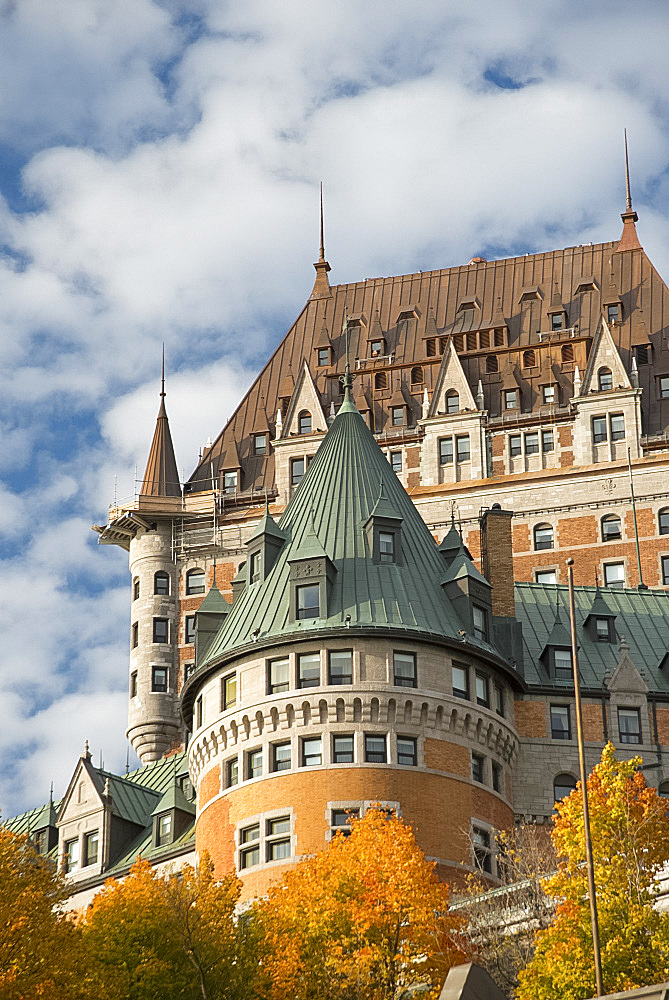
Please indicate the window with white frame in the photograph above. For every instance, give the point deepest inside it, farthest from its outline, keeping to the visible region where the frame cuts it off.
(482, 848)
(340, 820)
(279, 675)
(629, 725)
(614, 575)
(407, 751)
(312, 751)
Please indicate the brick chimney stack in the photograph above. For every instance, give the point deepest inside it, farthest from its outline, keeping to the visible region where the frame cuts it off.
(497, 559)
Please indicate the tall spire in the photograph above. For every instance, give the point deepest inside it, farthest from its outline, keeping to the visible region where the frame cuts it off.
(629, 239)
(161, 478)
(348, 406)
(321, 289)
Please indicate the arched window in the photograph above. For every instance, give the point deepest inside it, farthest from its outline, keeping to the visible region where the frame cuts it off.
(605, 379)
(195, 581)
(663, 520)
(529, 359)
(491, 364)
(452, 402)
(611, 528)
(381, 380)
(563, 785)
(417, 375)
(543, 536)
(304, 422)
(567, 353)
(664, 789)
(161, 583)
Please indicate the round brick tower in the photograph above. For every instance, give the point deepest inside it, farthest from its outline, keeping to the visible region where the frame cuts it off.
(360, 663)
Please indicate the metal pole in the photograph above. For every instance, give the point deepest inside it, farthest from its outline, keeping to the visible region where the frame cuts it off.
(584, 788)
(641, 585)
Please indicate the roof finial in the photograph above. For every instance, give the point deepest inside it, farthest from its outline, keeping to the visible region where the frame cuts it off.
(628, 193)
(321, 253)
(321, 289)
(162, 375)
(347, 379)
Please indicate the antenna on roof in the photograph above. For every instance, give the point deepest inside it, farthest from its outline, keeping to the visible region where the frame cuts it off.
(628, 193)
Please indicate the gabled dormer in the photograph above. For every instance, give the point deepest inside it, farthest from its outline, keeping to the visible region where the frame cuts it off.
(452, 544)
(239, 582)
(452, 393)
(383, 529)
(305, 413)
(556, 654)
(43, 828)
(263, 548)
(208, 619)
(600, 620)
(605, 371)
(172, 817)
(311, 575)
(470, 594)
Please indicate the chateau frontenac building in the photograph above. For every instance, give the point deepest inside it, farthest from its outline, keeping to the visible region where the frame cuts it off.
(359, 594)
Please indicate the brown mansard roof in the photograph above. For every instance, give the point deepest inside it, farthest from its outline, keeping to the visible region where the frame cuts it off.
(416, 312)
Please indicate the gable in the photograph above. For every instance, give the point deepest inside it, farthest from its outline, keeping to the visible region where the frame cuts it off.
(305, 397)
(604, 354)
(451, 378)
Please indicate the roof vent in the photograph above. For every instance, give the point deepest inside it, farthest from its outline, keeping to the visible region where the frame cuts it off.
(478, 260)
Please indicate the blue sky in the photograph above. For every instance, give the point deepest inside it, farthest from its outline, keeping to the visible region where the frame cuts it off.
(159, 170)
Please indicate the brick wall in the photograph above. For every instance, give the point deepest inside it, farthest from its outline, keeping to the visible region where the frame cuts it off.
(530, 718)
(444, 756)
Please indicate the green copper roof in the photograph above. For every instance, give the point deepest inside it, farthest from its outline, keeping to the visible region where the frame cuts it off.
(267, 526)
(348, 478)
(461, 567)
(174, 798)
(641, 617)
(214, 603)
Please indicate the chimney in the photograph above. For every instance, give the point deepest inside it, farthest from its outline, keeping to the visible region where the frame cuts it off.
(497, 559)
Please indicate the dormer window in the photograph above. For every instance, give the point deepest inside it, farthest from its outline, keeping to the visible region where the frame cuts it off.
(304, 422)
(91, 848)
(562, 664)
(386, 547)
(259, 444)
(376, 348)
(72, 855)
(605, 379)
(397, 416)
(164, 829)
(323, 357)
(480, 623)
(613, 312)
(230, 481)
(603, 628)
(557, 321)
(255, 566)
(307, 601)
(510, 399)
(452, 401)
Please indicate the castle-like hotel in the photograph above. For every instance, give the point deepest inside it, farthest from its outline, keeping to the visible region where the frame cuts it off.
(359, 595)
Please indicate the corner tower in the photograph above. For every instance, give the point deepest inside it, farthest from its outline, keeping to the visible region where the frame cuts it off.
(355, 666)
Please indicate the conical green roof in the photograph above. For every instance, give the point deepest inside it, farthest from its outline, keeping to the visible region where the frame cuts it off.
(214, 603)
(267, 526)
(45, 817)
(332, 505)
(174, 798)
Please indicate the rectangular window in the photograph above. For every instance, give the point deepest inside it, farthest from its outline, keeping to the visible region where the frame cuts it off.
(281, 757)
(599, 430)
(249, 853)
(375, 749)
(72, 855)
(478, 764)
(613, 312)
(510, 399)
(462, 448)
(161, 584)
(532, 443)
(278, 839)
(135, 588)
(340, 666)
(260, 444)
(548, 394)
(296, 471)
(496, 776)
(165, 829)
(232, 772)
(159, 679)
(253, 764)
(279, 676)
(323, 356)
(563, 671)
(189, 636)
(339, 820)
(603, 630)
(133, 684)
(255, 562)
(617, 427)
(307, 599)
(460, 681)
(309, 670)
(515, 445)
(91, 846)
(230, 480)
(480, 623)
(160, 630)
(547, 442)
(557, 321)
(407, 751)
(342, 749)
(499, 700)
(404, 669)
(445, 451)
(629, 724)
(134, 635)
(397, 415)
(198, 712)
(665, 570)
(375, 348)
(312, 753)
(560, 722)
(482, 690)
(482, 851)
(545, 576)
(664, 387)
(614, 575)
(396, 461)
(228, 692)
(386, 547)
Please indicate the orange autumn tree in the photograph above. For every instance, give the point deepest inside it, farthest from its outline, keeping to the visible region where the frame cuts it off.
(366, 918)
(630, 843)
(39, 944)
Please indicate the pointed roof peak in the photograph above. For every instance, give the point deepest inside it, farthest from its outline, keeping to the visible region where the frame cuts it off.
(321, 289)
(629, 239)
(161, 477)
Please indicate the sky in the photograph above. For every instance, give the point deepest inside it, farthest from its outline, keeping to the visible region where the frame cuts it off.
(159, 172)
